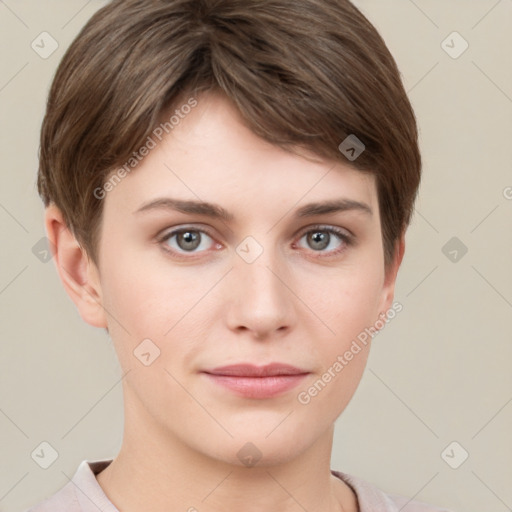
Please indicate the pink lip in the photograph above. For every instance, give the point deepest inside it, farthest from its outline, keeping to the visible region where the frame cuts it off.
(257, 381)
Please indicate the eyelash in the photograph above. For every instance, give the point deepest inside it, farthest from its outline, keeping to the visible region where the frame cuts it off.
(346, 239)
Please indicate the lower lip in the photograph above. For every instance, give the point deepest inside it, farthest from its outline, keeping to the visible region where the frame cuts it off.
(258, 387)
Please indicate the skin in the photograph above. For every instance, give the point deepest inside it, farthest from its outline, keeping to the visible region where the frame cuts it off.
(296, 303)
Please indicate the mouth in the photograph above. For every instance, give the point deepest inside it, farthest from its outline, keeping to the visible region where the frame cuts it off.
(258, 382)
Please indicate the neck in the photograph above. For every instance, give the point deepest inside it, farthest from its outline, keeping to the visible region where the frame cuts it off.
(156, 471)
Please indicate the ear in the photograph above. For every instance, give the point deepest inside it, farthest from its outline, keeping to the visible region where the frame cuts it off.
(77, 272)
(391, 274)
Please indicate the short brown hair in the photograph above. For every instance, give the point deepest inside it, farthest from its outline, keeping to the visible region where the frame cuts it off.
(302, 73)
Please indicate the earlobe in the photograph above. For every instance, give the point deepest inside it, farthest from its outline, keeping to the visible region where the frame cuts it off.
(77, 272)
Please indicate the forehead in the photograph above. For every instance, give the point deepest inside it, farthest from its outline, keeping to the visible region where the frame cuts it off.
(211, 155)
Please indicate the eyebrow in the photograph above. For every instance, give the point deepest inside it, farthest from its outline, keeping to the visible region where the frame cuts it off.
(216, 211)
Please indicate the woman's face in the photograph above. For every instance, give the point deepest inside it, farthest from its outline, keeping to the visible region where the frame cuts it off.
(272, 282)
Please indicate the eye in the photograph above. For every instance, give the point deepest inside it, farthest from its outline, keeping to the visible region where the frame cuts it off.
(186, 240)
(321, 237)
(189, 240)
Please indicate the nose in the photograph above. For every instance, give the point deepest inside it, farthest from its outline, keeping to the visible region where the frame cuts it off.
(262, 301)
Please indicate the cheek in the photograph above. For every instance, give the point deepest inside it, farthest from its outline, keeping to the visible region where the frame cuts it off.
(348, 300)
(348, 310)
(134, 301)
(161, 302)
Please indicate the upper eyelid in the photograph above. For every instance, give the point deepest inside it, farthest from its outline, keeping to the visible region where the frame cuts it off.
(168, 233)
(326, 227)
(176, 229)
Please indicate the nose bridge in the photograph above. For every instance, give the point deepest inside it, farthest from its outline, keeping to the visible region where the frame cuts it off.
(259, 268)
(261, 301)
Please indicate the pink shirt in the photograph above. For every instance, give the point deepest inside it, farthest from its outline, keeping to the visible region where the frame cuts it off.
(84, 494)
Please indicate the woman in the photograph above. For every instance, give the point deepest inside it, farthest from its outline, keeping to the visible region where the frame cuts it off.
(227, 188)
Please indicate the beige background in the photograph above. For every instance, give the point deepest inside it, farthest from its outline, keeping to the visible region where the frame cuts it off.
(438, 373)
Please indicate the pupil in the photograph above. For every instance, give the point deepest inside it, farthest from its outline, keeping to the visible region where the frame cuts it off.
(321, 240)
(189, 238)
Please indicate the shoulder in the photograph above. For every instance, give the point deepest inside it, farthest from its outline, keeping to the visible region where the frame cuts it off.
(81, 494)
(370, 498)
(64, 500)
(407, 505)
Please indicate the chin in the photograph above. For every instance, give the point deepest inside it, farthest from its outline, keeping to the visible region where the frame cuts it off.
(254, 449)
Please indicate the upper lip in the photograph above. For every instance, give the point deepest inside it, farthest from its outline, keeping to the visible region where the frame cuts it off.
(250, 370)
